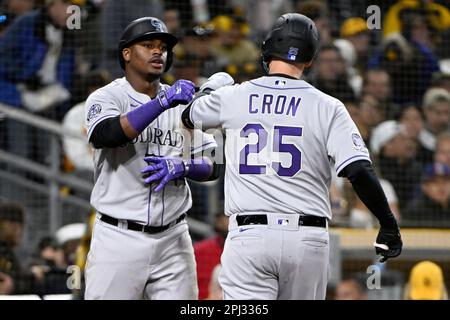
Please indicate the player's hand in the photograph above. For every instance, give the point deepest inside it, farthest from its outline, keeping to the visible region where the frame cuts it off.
(388, 244)
(181, 92)
(163, 169)
(216, 81)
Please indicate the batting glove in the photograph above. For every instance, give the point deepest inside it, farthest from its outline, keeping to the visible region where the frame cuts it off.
(388, 243)
(216, 81)
(163, 169)
(181, 92)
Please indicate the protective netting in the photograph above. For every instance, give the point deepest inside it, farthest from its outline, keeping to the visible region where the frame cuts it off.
(387, 61)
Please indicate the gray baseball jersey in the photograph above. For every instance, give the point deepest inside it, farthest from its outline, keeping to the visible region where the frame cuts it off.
(119, 190)
(282, 136)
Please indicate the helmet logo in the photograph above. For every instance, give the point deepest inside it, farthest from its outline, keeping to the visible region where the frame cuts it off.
(292, 54)
(158, 25)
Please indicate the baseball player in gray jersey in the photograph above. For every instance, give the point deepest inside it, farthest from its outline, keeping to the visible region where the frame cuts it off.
(282, 138)
(141, 248)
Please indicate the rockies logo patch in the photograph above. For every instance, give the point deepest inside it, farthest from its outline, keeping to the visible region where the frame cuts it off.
(158, 26)
(93, 112)
(358, 142)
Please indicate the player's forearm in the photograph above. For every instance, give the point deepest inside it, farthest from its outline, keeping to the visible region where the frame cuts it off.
(135, 121)
(369, 190)
(201, 169)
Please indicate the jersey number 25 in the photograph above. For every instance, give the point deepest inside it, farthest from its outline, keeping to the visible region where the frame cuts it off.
(277, 146)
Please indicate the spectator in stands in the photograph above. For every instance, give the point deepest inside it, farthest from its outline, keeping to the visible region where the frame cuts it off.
(348, 53)
(377, 83)
(441, 79)
(214, 288)
(36, 59)
(436, 15)
(355, 30)
(370, 114)
(50, 268)
(173, 22)
(69, 238)
(329, 73)
(230, 43)
(412, 119)
(426, 282)
(318, 12)
(442, 154)
(432, 207)
(408, 59)
(15, 8)
(117, 14)
(351, 288)
(436, 108)
(195, 48)
(49, 253)
(78, 151)
(395, 154)
(37, 63)
(208, 252)
(13, 278)
(188, 67)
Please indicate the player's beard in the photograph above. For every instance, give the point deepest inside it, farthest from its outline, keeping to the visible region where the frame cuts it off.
(153, 76)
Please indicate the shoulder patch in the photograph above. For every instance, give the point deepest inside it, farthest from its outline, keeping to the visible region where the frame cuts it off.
(94, 111)
(358, 142)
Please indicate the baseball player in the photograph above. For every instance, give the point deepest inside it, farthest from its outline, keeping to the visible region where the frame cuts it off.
(282, 136)
(141, 248)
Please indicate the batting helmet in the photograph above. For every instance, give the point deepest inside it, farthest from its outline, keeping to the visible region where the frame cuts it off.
(293, 37)
(147, 28)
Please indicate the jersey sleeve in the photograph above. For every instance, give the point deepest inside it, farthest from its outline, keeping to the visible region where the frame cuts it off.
(205, 111)
(344, 142)
(100, 105)
(202, 141)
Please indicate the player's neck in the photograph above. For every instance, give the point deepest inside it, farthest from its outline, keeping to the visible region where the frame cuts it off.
(145, 86)
(277, 66)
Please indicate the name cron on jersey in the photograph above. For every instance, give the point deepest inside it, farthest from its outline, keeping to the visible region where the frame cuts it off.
(273, 104)
(172, 138)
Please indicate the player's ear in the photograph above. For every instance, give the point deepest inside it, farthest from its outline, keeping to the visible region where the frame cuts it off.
(126, 53)
(308, 64)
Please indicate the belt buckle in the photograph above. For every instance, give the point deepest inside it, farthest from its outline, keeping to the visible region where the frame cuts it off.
(122, 223)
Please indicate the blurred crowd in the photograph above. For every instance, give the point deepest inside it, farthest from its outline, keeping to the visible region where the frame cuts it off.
(58, 261)
(45, 272)
(394, 81)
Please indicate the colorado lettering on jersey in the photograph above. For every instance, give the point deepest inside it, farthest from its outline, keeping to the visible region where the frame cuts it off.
(273, 104)
(169, 137)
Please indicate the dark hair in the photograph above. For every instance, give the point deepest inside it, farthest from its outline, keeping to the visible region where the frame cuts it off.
(359, 278)
(46, 242)
(13, 212)
(373, 70)
(330, 46)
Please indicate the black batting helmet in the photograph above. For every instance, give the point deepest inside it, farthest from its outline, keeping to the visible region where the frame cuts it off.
(293, 37)
(147, 28)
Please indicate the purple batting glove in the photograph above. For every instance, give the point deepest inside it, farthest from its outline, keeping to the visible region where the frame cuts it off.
(163, 169)
(181, 92)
